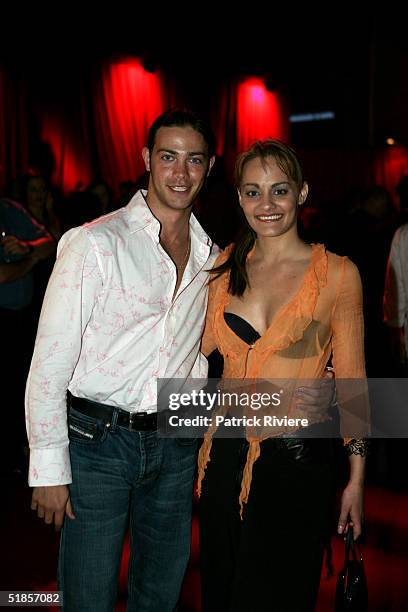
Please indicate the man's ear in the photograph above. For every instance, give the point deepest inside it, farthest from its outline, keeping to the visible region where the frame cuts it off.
(303, 194)
(146, 158)
(210, 164)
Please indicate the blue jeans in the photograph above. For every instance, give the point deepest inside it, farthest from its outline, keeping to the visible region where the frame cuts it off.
(126, 479)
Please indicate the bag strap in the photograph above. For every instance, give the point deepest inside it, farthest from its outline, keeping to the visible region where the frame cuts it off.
(352, 546)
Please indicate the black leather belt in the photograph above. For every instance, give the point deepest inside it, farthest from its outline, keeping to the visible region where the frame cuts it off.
(134, 421)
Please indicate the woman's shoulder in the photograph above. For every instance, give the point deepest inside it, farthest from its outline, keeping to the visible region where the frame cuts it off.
(342, 267)
(340, 261)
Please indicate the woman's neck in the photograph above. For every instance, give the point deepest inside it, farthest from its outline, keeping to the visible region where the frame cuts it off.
(273, 249)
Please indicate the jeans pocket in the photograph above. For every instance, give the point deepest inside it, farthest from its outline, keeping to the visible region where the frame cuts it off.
(85, 429)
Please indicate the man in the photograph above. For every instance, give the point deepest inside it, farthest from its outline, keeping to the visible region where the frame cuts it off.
(396, 299)
(23, 244)
(125, 304)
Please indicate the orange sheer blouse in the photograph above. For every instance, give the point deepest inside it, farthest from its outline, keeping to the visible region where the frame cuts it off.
(323, 319)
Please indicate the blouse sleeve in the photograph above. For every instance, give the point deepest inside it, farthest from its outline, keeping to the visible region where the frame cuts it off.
(348, 355)
(348, 325)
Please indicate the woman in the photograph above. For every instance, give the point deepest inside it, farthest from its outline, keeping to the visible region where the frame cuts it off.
(278, 308)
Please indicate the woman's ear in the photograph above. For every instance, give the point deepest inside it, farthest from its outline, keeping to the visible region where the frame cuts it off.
(303, 194)
(239, 197)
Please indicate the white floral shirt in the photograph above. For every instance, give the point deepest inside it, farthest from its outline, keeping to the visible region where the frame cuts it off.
(109, 327)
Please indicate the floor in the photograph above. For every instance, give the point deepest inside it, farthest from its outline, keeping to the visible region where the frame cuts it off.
(30, 551)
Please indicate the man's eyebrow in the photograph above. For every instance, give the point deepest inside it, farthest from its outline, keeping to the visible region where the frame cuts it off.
(190, 153)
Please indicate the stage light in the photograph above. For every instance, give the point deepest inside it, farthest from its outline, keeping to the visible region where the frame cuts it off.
(390, 141)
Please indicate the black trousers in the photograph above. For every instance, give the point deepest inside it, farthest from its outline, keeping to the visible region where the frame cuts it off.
(271, 560)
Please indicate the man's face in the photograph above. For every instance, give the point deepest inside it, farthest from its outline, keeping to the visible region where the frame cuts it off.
(178, 166)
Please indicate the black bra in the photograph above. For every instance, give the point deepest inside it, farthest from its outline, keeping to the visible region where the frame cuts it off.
(241, 328)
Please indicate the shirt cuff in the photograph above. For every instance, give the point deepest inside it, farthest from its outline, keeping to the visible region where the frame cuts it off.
(49, 467)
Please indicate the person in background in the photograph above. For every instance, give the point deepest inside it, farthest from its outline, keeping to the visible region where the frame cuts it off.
(127, 190)
(39, 201)
(396, 299)
(24, 244)
(101, 190)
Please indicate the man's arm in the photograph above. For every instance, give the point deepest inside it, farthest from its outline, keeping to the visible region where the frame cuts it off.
(68, 304)
(10, 272)
(67, 308)
(43, 246)
(395, 299)
(32, 252)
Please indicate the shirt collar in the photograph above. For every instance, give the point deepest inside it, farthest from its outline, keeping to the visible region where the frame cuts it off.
(140, 217)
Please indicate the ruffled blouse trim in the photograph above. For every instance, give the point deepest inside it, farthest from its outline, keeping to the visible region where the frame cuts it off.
(288, 327)
(292, 320)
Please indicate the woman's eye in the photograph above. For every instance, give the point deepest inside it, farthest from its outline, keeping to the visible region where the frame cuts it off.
(281, 191)
(252, 193)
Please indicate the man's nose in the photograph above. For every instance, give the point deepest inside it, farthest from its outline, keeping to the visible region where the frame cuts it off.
(181, 169)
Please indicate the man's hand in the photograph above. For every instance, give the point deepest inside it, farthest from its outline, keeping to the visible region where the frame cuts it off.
(51, 504)
(318, 398)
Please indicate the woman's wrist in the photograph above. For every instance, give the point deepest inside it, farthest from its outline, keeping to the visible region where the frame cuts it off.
(357, 446)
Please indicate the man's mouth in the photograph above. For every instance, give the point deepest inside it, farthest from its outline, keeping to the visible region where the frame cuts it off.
(179, 188)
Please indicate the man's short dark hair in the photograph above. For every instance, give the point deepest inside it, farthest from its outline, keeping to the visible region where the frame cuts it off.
(181, 118)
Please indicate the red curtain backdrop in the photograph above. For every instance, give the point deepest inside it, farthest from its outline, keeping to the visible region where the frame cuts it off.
(390, 165)
(68, 143)
(127, 101)
(101, 128)
(260, 114)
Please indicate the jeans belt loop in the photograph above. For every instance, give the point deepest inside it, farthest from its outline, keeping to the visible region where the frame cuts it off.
(114, 419)
(131, 415)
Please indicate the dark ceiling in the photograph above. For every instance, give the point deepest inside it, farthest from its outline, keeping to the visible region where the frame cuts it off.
(353, 64)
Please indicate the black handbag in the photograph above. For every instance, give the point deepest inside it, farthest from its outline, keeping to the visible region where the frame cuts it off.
(351, 587)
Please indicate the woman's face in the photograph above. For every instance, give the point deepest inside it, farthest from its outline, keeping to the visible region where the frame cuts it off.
(269, 198)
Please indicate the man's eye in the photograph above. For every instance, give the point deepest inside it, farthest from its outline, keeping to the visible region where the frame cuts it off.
(196, 160)
(167, 157)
